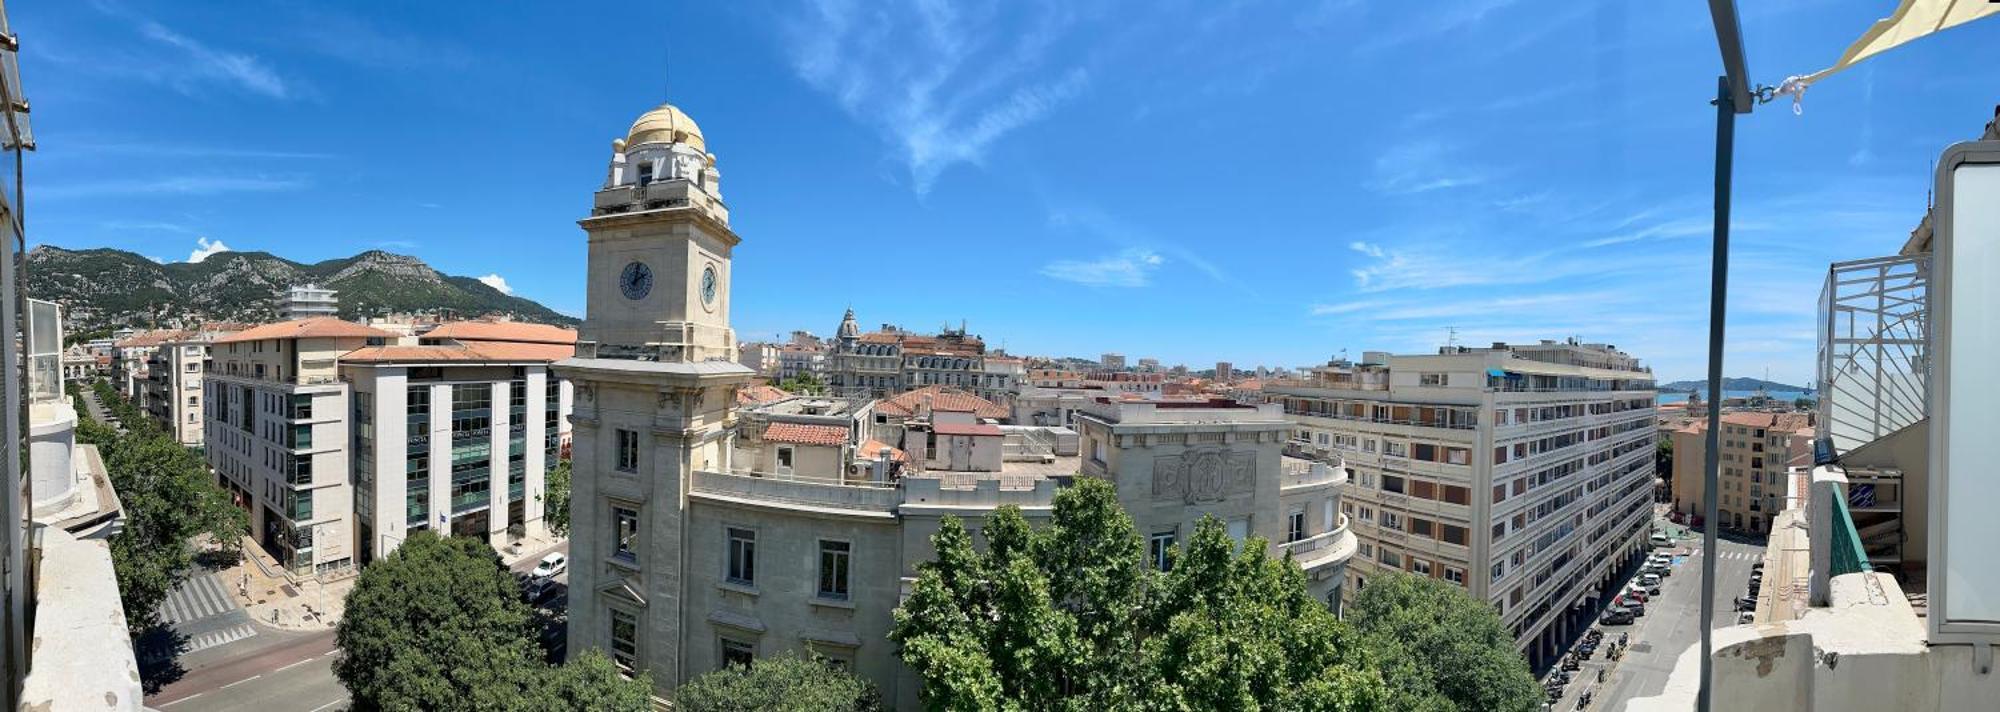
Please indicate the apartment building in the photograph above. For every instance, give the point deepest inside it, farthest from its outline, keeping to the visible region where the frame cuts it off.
(306, 301)
(1224, 372)
(890, 360)
(339, 438)
(1112, 361)
(172, 392)
(131, 361)
(708, 534)
(1523, 473)
(1757, 450)
(759, 356)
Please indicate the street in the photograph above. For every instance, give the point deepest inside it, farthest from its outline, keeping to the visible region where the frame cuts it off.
(1670, 626)
(234, 663)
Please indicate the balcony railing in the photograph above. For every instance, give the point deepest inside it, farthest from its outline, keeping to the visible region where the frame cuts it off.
(1848, 555)
(1873, 366)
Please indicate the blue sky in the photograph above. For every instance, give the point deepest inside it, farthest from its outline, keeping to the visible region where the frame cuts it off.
(1270, 182)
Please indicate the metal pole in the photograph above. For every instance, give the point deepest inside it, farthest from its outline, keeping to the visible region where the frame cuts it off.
(1718, 292)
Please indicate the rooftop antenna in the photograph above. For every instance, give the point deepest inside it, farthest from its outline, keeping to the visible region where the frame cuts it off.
(1451, 337)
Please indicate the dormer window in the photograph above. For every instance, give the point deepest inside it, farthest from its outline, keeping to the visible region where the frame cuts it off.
(645, 172)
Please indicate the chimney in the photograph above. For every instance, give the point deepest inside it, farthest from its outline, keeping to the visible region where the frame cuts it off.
(882, 460)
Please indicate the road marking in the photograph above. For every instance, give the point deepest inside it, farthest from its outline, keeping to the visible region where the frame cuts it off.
(239, 682)
(293, 665)
(190, 697)
(327, 706)
(227, 635)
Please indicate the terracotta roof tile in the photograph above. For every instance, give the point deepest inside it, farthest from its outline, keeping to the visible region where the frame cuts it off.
(941, 398)
(804, 434)
(873, 449)
(478, 351)
(503, 331)
(753, 395)
(966, 429)
(316, 327)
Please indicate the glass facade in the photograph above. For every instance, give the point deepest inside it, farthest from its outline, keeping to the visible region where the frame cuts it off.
(471, 447)
(417, 457)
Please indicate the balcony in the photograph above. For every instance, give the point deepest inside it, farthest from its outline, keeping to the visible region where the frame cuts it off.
(792, 491)
(1304, 473)
(1317, 552)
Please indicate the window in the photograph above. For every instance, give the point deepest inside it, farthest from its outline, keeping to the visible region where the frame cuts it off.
(1454, 575)
(1430, 379)
(736, 653)
(625, 641)
(1395, 449)
(1392, 483)
(784, 458)
(1421, 527)
(1423, 489)
(1420, 567)
(1159, 548)
(625, 523)
(1392, 520)
(628, 451)
(1458, 456)
(1295, 528)
(1389, 558)
(833, 559)
(1499, 569)
(1454, 494)
(1452, 534)
(1427, 453)
(742, 557)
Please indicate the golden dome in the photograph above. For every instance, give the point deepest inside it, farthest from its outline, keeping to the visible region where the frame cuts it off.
(666, 124)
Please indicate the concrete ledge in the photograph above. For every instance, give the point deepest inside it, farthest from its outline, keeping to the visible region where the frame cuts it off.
(81, 655)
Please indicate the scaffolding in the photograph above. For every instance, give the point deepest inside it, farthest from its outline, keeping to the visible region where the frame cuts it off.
(1873, 366)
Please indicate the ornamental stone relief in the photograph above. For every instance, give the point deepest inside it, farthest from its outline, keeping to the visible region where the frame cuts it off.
(1204, 475)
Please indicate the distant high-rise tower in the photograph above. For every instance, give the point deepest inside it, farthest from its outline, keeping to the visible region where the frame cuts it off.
(309, 300)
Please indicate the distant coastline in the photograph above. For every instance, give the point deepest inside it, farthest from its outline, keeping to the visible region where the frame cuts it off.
(1780, 396)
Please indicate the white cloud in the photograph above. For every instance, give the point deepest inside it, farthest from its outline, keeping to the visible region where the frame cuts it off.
(943, 81)
(205, 249)
(160, 260)
(1346, 307)
(1132, 267)
(244, 71)
(497, 282)
(1423, 166)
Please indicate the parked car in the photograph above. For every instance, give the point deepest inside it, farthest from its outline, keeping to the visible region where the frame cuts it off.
(539, 588)
(550, 566)
(1651, 582)
(1616, 616)
(1661, 540)
(1636, 592)
(1744, 603)
(1636, 606)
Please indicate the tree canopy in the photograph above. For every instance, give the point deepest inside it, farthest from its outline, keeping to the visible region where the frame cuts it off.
(555, 499)
(784, 683)
(439, 624)
(1070, 617)
(1440, 649)
(169, 498)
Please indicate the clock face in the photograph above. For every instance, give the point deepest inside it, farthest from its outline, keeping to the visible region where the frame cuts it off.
(708, 285)
(636, 281)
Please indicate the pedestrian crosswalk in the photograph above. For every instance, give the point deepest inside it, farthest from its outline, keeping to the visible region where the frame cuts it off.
(215, 638)
(1733, 555)
(200, 596)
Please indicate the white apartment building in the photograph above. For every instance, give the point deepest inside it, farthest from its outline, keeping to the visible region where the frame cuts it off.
(1523, 473)
(1112, 361)
(341, 438)
(759, 356)
(796, 360)
(173, 391)
(890, 360)
(308, 300)
(706, 534)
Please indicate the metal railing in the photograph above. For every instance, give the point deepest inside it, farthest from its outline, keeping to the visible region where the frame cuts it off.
(1873, 366)
(1849, 557)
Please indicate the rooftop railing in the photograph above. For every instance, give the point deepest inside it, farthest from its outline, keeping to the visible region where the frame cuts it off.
(1873, 326)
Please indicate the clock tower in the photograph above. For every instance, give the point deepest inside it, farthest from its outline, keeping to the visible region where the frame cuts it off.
(655, 377)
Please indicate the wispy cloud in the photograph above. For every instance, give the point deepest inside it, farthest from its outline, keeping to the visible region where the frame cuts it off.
(1347, 307)
(943, 82)
(1104, 226)
(498, 282)
(206, 248)
(154, 225)
(171, 185)
(1423, 166)
(1432, 21)
(208, 64)
(1132, 267)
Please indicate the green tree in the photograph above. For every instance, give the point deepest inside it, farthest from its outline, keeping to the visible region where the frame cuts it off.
(785, 683)
(555, 499)
(439, 624)
(168, 499)
(1440, 649)
(1070, 617)
(803, 384)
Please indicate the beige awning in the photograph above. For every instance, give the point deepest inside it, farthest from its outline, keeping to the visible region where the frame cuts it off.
(1913, 19)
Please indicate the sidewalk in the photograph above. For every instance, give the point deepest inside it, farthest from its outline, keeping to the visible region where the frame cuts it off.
(531, 549)
(275, 602)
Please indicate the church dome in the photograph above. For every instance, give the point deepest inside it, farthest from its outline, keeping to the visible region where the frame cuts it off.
(666, 124)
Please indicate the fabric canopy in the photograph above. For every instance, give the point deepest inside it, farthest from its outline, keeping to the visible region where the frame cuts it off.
(1913, 19)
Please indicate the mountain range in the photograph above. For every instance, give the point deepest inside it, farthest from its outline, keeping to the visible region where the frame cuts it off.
(105, 288)
(1731, 384)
